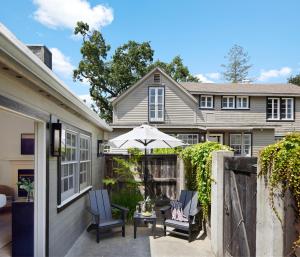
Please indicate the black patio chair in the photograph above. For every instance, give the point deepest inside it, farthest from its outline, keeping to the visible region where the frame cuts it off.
(101, 210)
(189, 201)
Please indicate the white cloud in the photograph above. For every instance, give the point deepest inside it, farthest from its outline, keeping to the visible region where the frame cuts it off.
(269, 74)
(203, 78)
(213, 75)
(66, 13)
(61, 64)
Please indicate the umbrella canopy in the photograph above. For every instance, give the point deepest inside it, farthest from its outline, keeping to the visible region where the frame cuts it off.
(145, 137)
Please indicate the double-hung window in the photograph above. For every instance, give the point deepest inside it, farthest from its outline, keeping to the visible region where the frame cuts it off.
(242, 102)
(190, 139)
(241, 144)
(287, 108)
(280, 108)
(85, 161)
(206, 101)
(156, 104)
(75, 163)
(228, 102)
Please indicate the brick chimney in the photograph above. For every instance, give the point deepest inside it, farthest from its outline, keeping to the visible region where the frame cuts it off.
(43, 53)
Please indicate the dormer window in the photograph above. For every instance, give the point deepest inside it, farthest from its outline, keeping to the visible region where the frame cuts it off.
(156, 78)
(228, 102)
(206, 102)
(242, 102)
(280, 108)
(156, 104)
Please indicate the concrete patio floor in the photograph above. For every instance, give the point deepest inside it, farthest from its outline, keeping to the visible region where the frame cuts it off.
(114, 245)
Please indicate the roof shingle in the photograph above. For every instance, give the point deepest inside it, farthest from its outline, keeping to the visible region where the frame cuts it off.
(241, 88)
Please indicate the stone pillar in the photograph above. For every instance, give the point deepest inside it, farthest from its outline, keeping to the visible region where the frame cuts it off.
(274, 237)
(180, 183)
(217, 201)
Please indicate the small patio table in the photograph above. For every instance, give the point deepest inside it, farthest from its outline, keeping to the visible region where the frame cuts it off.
(138, 218)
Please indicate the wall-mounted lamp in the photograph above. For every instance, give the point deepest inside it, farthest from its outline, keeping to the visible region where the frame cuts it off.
(56, 139)
(100, 148)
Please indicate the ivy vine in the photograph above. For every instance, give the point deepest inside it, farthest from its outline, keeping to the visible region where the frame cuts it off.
(197, 162)
(280, 165)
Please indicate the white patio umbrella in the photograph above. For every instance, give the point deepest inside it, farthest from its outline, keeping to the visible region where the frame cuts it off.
(145, 137)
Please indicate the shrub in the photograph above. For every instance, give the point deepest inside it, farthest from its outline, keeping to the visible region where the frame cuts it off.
(129, 198)
(197, 162)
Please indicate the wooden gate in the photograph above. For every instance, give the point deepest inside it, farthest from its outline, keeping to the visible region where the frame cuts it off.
(240, 206)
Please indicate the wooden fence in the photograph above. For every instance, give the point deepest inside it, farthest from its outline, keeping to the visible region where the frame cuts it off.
(162, 178)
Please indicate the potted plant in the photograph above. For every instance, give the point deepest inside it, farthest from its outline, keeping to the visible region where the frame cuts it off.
(28, 186)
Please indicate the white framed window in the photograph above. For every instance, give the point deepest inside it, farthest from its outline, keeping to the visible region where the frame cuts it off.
(218, 138)
(280, 108)
(241, 144)
(156, 104)
(206, 101)
(273, 108)
(75, 163)
(228, 102)
(69, 164)
(85, 161)
(242, 102)
(190, 139)
(287, 108)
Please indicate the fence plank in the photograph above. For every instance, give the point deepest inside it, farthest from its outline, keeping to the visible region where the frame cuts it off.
(162, 173)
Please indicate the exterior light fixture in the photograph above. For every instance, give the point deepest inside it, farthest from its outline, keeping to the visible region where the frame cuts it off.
(56, 139)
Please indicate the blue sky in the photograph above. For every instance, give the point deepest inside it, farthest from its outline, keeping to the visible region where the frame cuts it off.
(201, 32)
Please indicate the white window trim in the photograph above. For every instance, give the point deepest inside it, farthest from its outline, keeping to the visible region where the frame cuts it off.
(286, 109)
(67, 194)
(156, 119)
(190, 134)
(77, 189)
(227, 107)
(237, 101)
(242, 143)
(89, 161)
(215, 135)
(207, 107)
(273, 111)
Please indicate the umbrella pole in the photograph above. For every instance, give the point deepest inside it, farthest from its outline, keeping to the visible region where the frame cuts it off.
(146, 174)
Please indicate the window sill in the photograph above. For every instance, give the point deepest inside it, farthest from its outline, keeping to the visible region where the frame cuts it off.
(72, 199)
(206, 108)
(280, 120)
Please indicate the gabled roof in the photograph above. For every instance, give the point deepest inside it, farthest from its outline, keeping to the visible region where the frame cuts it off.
(13, 49)
(242, 89)
(157, 69)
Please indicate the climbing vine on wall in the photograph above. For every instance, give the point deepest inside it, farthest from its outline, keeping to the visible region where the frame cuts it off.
(280, 165)
(197, 162)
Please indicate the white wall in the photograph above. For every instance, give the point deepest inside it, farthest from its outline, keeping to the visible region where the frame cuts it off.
(11, 127)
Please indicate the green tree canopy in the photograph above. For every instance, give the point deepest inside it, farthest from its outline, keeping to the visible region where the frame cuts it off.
(109, 76)
(237, 68)
(295, 80)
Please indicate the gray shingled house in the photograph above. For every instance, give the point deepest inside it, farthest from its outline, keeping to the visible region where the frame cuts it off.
(245, 116)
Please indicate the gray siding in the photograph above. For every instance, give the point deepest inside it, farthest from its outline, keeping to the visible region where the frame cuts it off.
(133, 109)
(256, 115)
(67, 225)
(260, 139)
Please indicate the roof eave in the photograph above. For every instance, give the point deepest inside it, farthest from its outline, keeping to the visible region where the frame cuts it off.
(16, 50)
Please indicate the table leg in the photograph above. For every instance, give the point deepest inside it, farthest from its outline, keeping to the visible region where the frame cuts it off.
(153, 228)
(134, 229)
